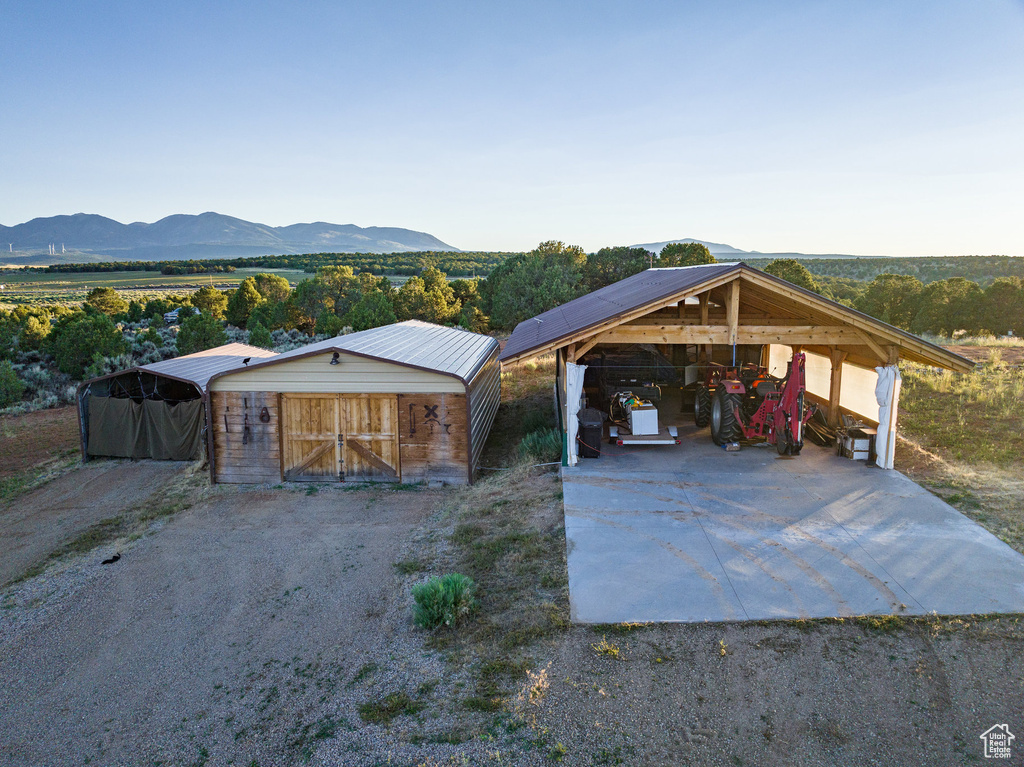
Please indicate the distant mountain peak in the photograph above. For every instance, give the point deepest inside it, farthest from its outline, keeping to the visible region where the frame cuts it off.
(205, 235)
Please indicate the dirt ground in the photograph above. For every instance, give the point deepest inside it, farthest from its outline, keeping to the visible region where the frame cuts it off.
(32, 438)
(1011, 355)
(248, 627)
(39, 522)
(260, 626)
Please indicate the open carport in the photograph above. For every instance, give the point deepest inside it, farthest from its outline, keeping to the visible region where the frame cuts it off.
(753, 535)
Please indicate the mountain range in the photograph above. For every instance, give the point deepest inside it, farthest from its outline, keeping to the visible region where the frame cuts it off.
(721, 251)
(87, 237)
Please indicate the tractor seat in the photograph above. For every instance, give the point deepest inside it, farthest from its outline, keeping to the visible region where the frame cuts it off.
(764, 388)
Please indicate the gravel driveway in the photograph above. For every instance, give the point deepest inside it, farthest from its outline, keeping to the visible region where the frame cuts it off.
(35, 524)
(248, 628)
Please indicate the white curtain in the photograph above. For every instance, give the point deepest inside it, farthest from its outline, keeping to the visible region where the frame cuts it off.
(573, 394)
(887, 394)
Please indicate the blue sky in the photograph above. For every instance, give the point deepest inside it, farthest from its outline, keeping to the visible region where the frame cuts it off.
(891, 128)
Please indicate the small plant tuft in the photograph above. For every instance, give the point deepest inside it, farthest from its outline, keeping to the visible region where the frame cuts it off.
(444, 601)
(604, 647)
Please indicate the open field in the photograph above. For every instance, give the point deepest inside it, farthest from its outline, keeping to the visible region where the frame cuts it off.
(55, 288)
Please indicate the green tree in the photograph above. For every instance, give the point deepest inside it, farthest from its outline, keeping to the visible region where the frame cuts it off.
(75, 338)
(34, 332)
(10, 330)
(11, 387)
(134, 311)
(273, 287)
(260, 336)
(947, 306)
(245, 298)
(892, 298)
(106, 300)
(328, 324)
(309, 300)
(210, 300)
(199, 333)
(531, 283)
(610, 265)
(1003, 306)
(791, 270)
(685, 254)
(372, 310)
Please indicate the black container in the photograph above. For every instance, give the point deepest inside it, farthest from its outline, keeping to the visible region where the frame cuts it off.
(591, 428)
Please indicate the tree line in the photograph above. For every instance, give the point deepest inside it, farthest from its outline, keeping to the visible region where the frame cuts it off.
(983, 270)
(464, 263)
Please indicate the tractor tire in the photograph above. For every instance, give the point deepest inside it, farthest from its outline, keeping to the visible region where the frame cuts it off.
(702, 407)
(724, 426)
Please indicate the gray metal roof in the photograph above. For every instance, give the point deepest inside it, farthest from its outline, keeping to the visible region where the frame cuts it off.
(423, 345)
(609, 302)
(200, 367)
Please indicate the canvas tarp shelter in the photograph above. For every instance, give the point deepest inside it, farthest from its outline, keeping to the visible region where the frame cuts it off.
(156, 410)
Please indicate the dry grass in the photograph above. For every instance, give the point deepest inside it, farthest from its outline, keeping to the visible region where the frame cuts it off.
(962, 437)
(976, 418)
(507, 534)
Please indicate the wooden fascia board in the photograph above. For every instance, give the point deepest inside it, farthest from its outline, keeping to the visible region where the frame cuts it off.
(722, 334)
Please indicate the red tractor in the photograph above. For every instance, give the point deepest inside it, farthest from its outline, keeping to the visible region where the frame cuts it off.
(760, 408)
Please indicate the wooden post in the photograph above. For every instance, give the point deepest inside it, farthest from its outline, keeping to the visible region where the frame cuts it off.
(734, 310)
(571, 353)
(703, 299)
(835, 386)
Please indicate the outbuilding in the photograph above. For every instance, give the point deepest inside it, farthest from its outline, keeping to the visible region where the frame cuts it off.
(659, 331)
(406, 402)
(157, 410)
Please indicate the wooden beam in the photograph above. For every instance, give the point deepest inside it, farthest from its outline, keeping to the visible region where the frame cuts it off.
(703, 298)
(722, 334)
(320, 451)
(835, 386)
(586, 346)
(368, 455)
(734, 311)
(873, 345)
(570, 353)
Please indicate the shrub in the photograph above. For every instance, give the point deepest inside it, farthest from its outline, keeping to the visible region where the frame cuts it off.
(443, 601)
(329, 324)
(11, 387)
(75, 339)
(260, 336)
(541, 446)
(153, 337)
(106, 300)
(200, 332)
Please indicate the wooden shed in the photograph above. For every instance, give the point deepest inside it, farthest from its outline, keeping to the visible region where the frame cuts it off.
(154, 411)
(407, 402)
(728, 314)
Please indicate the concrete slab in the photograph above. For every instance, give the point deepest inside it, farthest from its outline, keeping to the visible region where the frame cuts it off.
(692, 533)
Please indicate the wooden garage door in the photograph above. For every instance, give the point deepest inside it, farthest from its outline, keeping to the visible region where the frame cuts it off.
(312, 426)
(331, 437)
(370, 437)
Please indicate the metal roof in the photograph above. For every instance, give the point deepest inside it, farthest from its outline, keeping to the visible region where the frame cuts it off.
(450, 351)
(654, 286)
(200, 367)
(595, 308)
